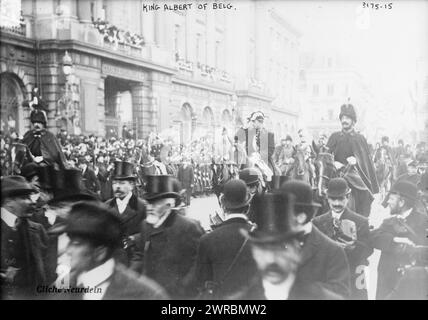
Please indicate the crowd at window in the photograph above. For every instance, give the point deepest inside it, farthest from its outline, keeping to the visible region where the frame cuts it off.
(113, 34)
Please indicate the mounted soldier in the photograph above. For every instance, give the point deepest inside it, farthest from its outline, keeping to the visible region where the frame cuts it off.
(259, 144)
(351, 155)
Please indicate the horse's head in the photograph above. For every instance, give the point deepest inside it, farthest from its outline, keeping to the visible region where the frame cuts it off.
(300, 162)
(324, 165)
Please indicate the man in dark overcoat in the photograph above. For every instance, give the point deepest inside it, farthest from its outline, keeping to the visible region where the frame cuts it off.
(90, 179)
(276, 247)
(352, 155)
(130, 208)
(167, 245)
(43, 146)
(95, 232)
(398, 236)
(224, 258)
(324, 263)
(23, 242)
(350, 231)
(186, 177)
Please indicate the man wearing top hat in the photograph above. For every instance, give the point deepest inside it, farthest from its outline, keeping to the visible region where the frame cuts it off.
(167, 245)
(277, 252)
(324, 263)
(95, 232)
(66, 188)
(130, 208)
(398, 236)
(42, 144)
(350, 230)
(23, 242)
(351, 153)
(224, 260)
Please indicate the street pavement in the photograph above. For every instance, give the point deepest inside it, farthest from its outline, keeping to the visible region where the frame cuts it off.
(202, 207)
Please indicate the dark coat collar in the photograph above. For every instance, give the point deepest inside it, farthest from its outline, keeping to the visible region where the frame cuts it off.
(133, 202)
(311, 244)
(169, 221)
(233, 220)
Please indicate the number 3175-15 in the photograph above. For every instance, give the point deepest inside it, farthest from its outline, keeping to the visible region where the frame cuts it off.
(377, 6)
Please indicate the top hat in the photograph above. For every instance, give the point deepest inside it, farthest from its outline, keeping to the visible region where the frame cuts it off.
(235, 194)
(123, 170)
(92, 220)
(38, 116)
(274, 217)
(249, 175)
(69, 186)
(337, 187)
(160, 187)
(12, 186)
(303, 193)
(349, 111)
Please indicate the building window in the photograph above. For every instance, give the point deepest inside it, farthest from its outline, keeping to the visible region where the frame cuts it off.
(252, 59)
(217, 54)
(330, 90)
(176, 39)
(315, 90)
(329, 62)
(330, 114)
(198, 47)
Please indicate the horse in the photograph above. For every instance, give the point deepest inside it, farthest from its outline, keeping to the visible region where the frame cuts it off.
(221, 174)
(300, 169)
(384, 172)
(325, 171)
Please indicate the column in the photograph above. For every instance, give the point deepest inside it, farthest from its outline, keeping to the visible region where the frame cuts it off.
(84, 11)
(139, 104)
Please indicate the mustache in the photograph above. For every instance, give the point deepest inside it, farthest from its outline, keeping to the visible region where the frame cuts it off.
(274, 268)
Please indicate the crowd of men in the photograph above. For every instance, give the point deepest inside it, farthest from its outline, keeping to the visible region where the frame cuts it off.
(65, 235)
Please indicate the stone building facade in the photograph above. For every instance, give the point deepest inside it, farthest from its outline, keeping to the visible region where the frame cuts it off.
(191, 73)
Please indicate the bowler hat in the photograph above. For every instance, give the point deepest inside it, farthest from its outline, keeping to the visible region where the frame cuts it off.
(337, 187)
(349, 111)
(29, 170)
(249, 175)
(405, 189)
(92, 220)
(303, 194)
(123, 170)
(160, 187)
(235, 194)
(68, 186)
(288, 137)
(12, 186)
(274, 217)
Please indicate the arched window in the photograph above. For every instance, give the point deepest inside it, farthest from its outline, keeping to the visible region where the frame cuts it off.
(186, 123)
(12, 112)
(208, 120)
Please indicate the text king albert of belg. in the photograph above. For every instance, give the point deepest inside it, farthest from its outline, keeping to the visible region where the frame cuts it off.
(183, 6)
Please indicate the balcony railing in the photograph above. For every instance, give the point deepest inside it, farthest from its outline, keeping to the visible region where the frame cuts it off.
(20, 29)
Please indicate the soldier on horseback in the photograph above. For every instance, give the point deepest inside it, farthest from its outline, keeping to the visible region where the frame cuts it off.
(351, 155)
(259, 144)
